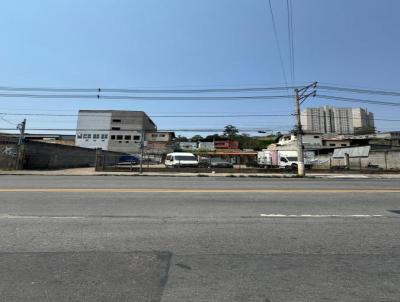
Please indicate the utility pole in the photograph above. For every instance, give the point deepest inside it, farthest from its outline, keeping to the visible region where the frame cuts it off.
(20, 147)
(300, 95)
(141, 151)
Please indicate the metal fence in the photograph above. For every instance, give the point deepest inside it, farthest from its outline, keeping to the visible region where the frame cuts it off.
(155, 162)
(128, 162)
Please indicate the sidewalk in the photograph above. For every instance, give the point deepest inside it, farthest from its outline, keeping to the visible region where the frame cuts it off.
(92, 172)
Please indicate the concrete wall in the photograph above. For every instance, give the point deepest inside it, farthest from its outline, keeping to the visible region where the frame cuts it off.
(132, 123)
(123, 145)
(93, 123)
(93, 120)
(159, 147)
(132, 120)
(159, 136)
(337, 143)
(208, 146)
(308, 139)
(386, 160)
(8, 154)
(188, 146)
(312, 139)
(40, 155)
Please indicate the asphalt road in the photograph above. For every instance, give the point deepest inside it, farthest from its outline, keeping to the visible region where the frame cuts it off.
(198, 239)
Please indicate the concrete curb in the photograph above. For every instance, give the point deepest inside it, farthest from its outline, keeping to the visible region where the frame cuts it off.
(73, 172)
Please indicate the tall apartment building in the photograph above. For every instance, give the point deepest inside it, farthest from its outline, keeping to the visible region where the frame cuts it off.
(314, 120)
(337, 120)
(113, 130)
(342, 120)
(363, 119)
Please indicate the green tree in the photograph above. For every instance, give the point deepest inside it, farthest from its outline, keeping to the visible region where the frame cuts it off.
(181, 138)
(253, 142)
(230, 131)
(197, 138)
(212, 137)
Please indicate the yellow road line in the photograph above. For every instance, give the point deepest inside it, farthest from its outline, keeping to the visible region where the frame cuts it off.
(177, 190)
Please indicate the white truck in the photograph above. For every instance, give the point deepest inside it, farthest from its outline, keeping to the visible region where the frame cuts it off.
(283, 159)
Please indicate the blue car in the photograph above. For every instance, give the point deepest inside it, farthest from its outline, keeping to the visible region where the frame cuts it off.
(128, 160)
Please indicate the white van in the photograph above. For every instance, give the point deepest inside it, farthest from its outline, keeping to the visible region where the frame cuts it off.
(181, 159)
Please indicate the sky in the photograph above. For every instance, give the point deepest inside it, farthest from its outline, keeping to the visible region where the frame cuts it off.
(176, 44)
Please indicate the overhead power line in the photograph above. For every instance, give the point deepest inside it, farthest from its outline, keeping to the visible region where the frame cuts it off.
(144, 98)
(289, 6)
(97, 91)
(140, 91)
(159, 130)
(344, 99)
(7, 121)
(277, 42)
(199, 98)
(2, 114)
(359, 91)
(152, 116)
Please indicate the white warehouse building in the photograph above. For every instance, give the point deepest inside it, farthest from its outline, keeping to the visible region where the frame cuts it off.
(112, 130)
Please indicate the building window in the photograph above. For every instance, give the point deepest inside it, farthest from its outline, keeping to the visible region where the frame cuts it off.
(120, 137)
(332, 145)
(115, 128)
(96, 136)
(128, 137)
(116, 121)
(344, 145)
(136, 137)
(316, 136)
(104, 136)
(86, 136)
(112, 137)
(154, 135)
(80, 135)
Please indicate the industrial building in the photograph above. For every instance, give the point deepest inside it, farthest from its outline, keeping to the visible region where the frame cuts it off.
(159, 142)
(113, 130)
(332, 120)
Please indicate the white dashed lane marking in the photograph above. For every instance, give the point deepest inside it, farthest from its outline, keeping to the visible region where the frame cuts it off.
(320, 216)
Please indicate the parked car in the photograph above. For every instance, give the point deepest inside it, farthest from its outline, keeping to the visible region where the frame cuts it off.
(204, 162)
(181, 159)
(151, 161)
(218, 162)
(128, 160)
